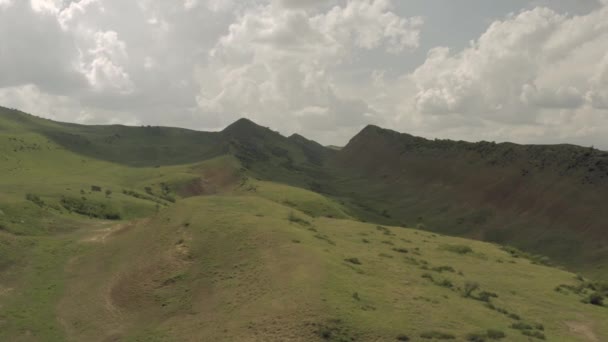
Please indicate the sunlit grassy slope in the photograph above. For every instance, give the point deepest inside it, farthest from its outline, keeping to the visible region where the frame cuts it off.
(240, 267)
(94, 250)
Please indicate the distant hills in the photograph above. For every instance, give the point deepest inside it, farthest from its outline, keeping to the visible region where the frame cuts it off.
(546, 199)
(115, 233)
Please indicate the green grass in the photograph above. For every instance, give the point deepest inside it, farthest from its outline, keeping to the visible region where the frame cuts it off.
(207, 250)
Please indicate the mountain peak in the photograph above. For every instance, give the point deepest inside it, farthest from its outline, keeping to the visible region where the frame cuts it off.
(245, 128)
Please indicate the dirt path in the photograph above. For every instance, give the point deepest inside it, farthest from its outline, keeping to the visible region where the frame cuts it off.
(100, 235)
(582, 329)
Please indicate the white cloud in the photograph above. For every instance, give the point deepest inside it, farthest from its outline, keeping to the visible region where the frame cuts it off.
(323, 68)
(277, 60)
(535, 74)
(102, 65)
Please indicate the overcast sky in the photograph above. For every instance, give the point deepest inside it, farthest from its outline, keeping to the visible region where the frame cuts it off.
(529, 71)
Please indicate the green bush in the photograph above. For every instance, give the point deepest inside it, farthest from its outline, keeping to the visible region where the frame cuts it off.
(354, 261)
(495, 334)
(438, 335)
(292, 217)
(469, 288)
(485, 296)
(459, 249)
(596, 299)
(85, 207)
(403, 338)
(533, 333)
(521, 326)
(446, 283)
(476, 337)
(35, 199)
(441, 269)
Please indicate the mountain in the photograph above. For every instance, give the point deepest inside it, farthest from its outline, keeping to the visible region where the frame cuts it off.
(167, 234)
(545, 199)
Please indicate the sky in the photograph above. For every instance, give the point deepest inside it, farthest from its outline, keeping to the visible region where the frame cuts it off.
(527, 71)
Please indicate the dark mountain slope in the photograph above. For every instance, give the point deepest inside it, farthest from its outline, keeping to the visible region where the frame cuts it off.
(254, 145)
(546, 199)
(133, 146)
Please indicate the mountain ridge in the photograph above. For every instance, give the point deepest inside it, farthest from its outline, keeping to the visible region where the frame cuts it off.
(542, 198)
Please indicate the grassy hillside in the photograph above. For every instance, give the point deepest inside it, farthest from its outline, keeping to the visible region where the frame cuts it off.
(544, 199)
(96, 245)
(242, 267)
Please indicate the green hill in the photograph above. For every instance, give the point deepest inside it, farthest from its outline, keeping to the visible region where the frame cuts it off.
(245, 235)
(544, 199)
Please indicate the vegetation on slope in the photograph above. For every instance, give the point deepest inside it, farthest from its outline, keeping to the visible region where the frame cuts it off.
(97, 248)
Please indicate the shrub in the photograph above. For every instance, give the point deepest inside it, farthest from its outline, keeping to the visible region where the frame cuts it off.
(534, 333)
(401, 250)
(446, 283)
(365, 240)
(427, 276)
(108, 192)
(403, 338)
(485, 296)
(495, 334)
(469, 288)
(295, 219)
(596, 299)
(35, 199)
(476, 337)
(356, 296)
(89, 208)
(95, 188)
(438, 335)
(354, 261)
(521, 326)
(441, 269)
(459, 249)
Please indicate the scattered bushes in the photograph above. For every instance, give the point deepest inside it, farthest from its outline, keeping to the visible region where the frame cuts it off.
(529, 330)
(292, 217)
(35, 199)
(438, 335)
(596, 299)
(486, 296)
(443, 283)
(138, 195)
(490, 334)
(401, 250)
(534, 258)
(458, 249)
(442, 269)
(592, 293)
(469, 288)
(495, 334)
(89, 208)
(353, 261)
(384, 230)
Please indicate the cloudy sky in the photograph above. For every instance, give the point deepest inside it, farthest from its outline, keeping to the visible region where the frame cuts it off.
(530, 71)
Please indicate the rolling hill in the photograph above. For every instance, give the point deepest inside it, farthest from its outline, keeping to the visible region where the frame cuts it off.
(113, 233)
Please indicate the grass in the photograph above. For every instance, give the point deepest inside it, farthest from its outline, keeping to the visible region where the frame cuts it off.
(234, 258)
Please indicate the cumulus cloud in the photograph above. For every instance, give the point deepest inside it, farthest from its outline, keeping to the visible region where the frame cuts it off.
(277, 60)
(537, 68)
(323, 68)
